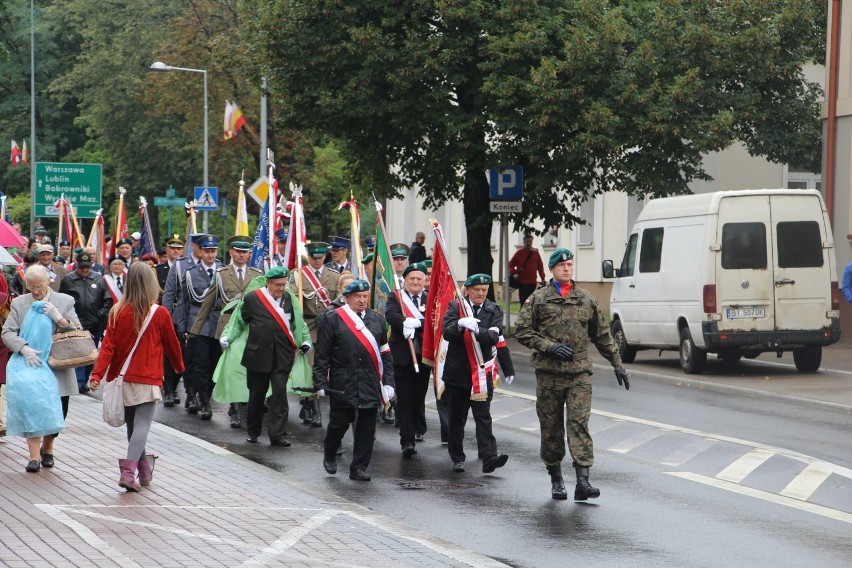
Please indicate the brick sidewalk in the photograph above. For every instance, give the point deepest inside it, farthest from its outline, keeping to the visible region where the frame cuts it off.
(205, 507)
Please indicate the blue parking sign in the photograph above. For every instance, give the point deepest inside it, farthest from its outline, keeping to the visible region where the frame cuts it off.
(506, 184)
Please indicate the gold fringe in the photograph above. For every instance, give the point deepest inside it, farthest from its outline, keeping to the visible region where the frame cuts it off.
(479, 397)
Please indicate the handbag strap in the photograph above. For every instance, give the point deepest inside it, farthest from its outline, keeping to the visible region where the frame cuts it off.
(138, 337)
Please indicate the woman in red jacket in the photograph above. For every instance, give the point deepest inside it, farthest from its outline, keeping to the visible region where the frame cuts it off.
(144, 375)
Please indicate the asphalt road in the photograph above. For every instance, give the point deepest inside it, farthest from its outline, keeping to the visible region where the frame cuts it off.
(689, 474)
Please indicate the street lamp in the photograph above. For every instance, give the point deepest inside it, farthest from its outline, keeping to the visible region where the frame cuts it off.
(160, 66)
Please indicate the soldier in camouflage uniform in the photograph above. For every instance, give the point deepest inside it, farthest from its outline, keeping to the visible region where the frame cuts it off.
(558, 321)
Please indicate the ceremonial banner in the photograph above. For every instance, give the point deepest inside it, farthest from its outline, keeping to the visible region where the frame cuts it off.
(97, 239)
(384, 282)
(241, 227)
(260, 251)
(146, 240)
(355, 224)
(120, 231)
(15, 156)
(441, 292)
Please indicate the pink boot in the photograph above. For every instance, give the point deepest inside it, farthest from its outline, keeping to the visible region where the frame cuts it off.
(128, 475)
(146, 470)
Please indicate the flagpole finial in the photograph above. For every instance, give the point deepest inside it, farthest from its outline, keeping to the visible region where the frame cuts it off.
(121, 191)
(143, 202)
(296, 190)
(99, 213)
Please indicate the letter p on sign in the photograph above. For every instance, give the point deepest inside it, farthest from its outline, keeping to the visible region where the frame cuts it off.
(506, 184)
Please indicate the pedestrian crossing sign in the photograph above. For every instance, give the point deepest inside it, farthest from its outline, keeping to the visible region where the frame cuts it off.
(206, 198)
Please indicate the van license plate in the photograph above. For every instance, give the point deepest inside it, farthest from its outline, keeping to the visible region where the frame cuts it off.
(745, 313)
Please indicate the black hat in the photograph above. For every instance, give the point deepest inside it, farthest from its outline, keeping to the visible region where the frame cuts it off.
(124, 242)
(161, 251)
(65, 243)
(83, 260)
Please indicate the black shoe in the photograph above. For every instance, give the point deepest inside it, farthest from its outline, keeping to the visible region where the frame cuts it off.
(175, 398)
(168, 400)
(418, 437)
(359, 475)
(330, 464)
(235, 421)
(280, 442)
(492, 463)
(192, 405)
(206, 411)
(584, 489)
(251, 439)
(46, 460)
(458, 467)
(557, 490)
(33, 466)
(408, 451)
(84, 389)
(388, 417)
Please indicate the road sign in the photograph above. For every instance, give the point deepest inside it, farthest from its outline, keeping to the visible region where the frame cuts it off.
(206, 199)
(169, 201)
(505, 206)
(506, 184)
(170, 192)
(81, 184)
(259, 190)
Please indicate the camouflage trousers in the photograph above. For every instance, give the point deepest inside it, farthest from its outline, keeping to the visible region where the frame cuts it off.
(555, 393)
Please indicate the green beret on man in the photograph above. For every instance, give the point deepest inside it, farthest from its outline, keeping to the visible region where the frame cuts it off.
(277, 272)
(416, 266)
(477, 279)
(356, 286)
(559, 255)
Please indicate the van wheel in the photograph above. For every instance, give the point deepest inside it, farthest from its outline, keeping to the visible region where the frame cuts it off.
(808, 359)
(628, 354)
(692, 359)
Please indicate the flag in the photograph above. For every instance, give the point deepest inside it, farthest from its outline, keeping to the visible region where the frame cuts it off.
(241, 227)
(442, 290)
(296, 233)
(260, 247)
(97, 238)
(146, 240)
(120, 231)
(66, 228)
(226, 123)
(234, 120)
(15, 156)
(384, 280)
(355, 224)
(25, 154)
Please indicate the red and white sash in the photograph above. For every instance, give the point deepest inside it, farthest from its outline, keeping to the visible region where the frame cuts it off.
(112, 286)
(277, 312)
(366, 338)
(492, 365)
(322, 293)
(408, 306)
(478, 377)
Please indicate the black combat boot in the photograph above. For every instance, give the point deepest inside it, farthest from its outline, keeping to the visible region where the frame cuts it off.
(306, 413)
(192, 404)
(234, 413)
(584, 490)
(557, 484)
(316, 414)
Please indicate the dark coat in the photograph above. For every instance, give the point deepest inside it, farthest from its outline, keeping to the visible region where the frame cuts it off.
(398, 344)
(342, 363)
(92, 300)
(266, 347)
(457, 369)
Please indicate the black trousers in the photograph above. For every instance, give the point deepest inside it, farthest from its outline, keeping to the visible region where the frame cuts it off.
(279, 408)
(339, 419)
(443, 416)
(170, 377)
(411, 391)
(204, 354)
(458, 402)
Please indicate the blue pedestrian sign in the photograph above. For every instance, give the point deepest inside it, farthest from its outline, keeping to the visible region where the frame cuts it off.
(206, 198)
(506, 184)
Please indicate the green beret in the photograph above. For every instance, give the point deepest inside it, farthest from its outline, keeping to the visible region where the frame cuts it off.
(415, 266)
(277, 272)
(427, 263)
(356, 286)
(477, 279)
(559, 255)
(368, 258)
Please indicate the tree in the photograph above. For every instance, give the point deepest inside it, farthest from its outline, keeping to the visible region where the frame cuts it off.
(587, 95)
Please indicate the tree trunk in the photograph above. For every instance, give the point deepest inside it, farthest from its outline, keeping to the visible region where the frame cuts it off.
(478, 222)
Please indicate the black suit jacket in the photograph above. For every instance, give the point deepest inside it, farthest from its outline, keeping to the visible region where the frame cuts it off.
(266, 347)
(457, 369)
(398, 344)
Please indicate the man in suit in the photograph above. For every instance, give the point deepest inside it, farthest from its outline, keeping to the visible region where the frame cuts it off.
(231, 282)
(469, 387)
(353, 361)
(339, 254)
(319, 284)
(55, 271)
(273, 337)
(124, 249)
(406, 323)
(203, 345)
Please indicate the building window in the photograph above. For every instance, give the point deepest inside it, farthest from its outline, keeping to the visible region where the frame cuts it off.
(586, 233)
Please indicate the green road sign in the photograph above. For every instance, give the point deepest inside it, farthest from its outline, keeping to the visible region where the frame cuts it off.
(81, 184)
(169, 201)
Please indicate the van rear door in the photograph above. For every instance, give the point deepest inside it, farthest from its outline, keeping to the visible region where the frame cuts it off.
(745, 284)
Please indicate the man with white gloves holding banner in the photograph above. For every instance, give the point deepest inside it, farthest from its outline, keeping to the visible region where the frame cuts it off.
(353, 365)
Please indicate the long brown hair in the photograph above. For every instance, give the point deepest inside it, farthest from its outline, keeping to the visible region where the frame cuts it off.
(140, 291)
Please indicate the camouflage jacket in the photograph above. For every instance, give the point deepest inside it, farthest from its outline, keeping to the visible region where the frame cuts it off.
(547, 318)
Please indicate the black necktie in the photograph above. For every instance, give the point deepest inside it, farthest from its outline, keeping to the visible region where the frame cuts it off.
(210, 273)
(476, 310)
(118, 283)
(317, 272)
(361, 314)
(416, 300)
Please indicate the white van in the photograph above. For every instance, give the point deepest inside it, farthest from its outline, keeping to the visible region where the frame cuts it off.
(736, 273)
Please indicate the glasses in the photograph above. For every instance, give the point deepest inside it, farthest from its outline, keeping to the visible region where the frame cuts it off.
(32, 288)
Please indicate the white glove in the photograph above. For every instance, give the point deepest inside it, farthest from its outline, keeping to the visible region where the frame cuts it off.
(411, 323)
(388, 392)
(469, 323)
(51, 311)
(31, 356)
(321, 392)
(224, 342)
(408, 333)
(508, 380)
(306, 346)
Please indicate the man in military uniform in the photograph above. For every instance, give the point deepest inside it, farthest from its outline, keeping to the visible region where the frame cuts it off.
(278, 258)
(200, 282)
(469, 387)
(557, 322)
(64, 251)
(319, 284)
(353, 361)
(55, 271)
(339, 254)
(124, 249)
(231, 282)
(399, 259)
(174, 250)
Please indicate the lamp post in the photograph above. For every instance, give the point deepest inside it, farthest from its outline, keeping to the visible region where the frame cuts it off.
(160, 66)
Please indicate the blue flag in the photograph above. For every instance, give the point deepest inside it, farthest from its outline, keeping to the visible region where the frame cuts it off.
(260, 252)
(146, 240)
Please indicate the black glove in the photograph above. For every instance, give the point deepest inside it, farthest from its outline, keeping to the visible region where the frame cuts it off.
(305, 348)
(621, 375)
(562, 352)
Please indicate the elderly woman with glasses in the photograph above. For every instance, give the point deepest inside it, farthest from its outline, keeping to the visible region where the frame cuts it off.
(37, 396)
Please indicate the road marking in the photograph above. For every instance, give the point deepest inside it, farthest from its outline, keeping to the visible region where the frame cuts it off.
(808, 481)
(741, 467)
(687, 452)
(289, 539)
(763, 495)
(635, 441)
